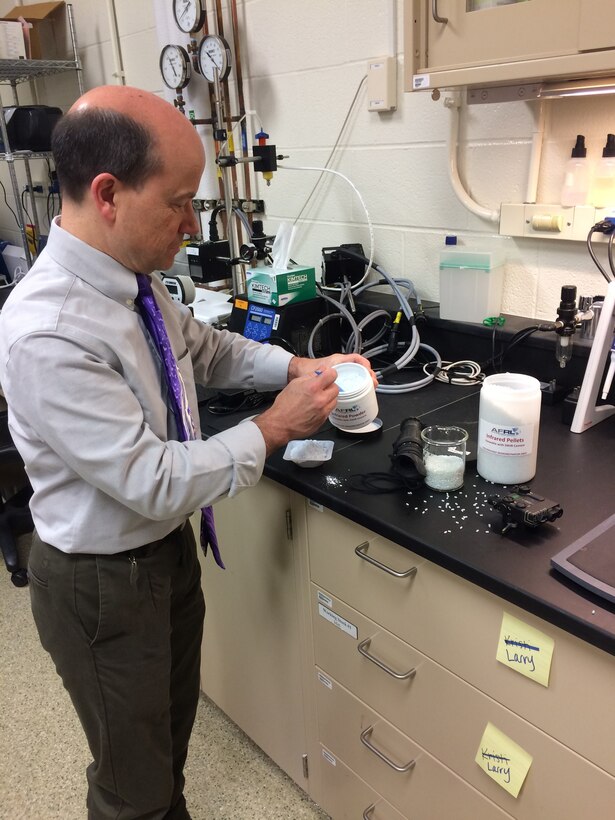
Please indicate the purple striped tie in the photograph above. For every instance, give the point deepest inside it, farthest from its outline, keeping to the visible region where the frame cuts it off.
(152, 317)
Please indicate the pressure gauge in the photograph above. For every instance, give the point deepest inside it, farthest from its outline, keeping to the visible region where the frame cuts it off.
(189, 14)
(214, 53)
(175, 67)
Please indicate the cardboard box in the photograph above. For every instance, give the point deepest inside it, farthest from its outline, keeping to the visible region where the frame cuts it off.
(46, 34)
(295, 284)
(12, 45)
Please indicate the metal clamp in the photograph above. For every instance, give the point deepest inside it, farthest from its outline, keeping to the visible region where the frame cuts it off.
(369, 812)
(365, 737)
(361, 551)
(434, 13)
(364, 646)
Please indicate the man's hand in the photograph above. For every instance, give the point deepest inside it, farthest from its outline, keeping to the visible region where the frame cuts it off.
(302, 407)
(301, 367)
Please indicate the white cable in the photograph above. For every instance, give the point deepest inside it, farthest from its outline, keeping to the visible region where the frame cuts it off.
(335, 145)
(472, 375)
(361, 200)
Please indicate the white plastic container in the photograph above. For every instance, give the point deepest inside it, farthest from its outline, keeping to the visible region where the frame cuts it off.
(471, 284)
(357, 405)
(575, 187)
(603, 185)
(508, 422)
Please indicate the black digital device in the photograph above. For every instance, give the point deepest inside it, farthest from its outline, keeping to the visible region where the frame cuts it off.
(288, 325)
(523, 506)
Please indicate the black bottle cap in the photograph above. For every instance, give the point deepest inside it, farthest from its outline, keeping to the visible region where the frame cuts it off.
(569, 294)
(609, 148)
(579, 149)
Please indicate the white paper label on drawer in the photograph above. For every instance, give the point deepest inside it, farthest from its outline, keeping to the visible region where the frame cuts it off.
(329, 757)
(338, 621)
(325, 681)
(324, 599)
(315, 505)
(503, 760)
(525, 649)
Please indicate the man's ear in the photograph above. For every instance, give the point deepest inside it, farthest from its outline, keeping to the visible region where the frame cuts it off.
(103, 190)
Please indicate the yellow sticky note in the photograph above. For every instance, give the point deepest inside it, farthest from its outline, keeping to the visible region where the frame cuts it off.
(525, 649)
(503, 760)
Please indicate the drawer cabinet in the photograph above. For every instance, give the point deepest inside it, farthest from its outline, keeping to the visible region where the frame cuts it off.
(457, 624)
(252, 646)
(447, 716)
(347, 797)
(419, 787)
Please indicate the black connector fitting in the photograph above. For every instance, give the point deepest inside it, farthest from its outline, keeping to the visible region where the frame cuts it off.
(407, 457)
(605, 225)
(266, 158)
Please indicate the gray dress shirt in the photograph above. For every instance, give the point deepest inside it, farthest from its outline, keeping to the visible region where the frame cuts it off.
(88, 411)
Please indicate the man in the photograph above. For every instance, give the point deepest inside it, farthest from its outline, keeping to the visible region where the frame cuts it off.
(114, 576)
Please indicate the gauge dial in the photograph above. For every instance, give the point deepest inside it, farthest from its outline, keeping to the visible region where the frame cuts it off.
(189, 14)
(214, 55)
(175, 67)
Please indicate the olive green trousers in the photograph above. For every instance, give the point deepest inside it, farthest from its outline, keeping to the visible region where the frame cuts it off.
(124, 632)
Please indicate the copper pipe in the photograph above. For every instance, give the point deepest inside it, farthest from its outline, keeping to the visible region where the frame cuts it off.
(211, 120)
(240, 97)
(227, 97)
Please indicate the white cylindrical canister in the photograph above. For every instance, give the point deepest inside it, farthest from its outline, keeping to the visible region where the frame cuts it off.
(508, 421)
(357, 405)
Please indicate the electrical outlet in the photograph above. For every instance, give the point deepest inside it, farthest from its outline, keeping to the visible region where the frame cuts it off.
(37, 187)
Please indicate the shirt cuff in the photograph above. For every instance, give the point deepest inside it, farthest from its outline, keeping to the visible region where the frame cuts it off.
(246, 446)
(271, 368)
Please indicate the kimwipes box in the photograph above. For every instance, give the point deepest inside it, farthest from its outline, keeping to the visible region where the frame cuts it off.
(278, 288)
(47, 32)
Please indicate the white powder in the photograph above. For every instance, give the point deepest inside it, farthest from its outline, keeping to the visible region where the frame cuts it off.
(444, 472)
(350, 382)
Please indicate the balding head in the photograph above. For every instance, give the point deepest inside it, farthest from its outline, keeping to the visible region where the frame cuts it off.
(129, 166)
(120, 130)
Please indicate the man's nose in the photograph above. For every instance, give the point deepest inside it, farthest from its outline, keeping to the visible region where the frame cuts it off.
(191, 223)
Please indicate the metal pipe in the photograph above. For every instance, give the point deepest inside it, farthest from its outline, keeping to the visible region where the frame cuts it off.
(240, 98)
(73, 40)
(9, 158)
(227, 97)
(536, 154)
(115, 44)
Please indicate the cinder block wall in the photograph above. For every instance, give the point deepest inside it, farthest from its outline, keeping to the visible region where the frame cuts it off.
(302, 63)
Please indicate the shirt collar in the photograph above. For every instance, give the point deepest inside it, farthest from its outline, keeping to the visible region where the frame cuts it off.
(95, 268)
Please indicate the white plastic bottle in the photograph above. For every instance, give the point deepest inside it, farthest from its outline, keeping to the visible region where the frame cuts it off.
(508, 422)
(575, 187)
(603, 186)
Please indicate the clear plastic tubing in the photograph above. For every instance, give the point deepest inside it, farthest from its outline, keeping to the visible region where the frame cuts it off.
(508, 425)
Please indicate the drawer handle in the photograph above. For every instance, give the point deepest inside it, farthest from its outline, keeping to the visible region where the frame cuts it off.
(365, 740)
(364, 646)
(361, 551)
(434, 13)
(369, 812)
